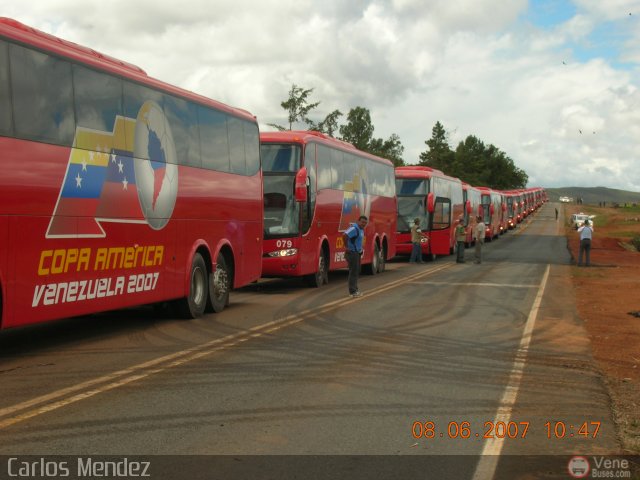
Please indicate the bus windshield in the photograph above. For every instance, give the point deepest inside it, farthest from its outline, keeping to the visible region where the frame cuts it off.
(280, 158)
(410, 208)
(281, 211)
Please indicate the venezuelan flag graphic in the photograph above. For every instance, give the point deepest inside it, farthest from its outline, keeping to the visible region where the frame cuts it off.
(356, 201)
(99, 184)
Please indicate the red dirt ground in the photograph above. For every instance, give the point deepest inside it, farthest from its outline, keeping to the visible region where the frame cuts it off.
(605, 293)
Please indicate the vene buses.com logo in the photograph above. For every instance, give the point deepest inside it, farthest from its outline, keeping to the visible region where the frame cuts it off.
(578, 467)
(103, 182)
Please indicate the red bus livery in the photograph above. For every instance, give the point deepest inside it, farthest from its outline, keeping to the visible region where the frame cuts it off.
(118, 189)
(434, 198)
(314, 187)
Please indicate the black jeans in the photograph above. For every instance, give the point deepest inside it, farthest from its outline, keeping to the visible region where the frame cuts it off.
(585, 247)
(460, 251)
(353, 259)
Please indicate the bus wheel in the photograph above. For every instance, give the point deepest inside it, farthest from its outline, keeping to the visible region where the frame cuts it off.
(220, 285)
(316, 280)
(382, 261)
(372, 268)
(193, 306)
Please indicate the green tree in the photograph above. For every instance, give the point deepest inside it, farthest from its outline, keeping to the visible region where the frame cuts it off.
(358, 130)
(391, 149)
(486, 165)
(439, 155)
(297, 106)
(329, 125)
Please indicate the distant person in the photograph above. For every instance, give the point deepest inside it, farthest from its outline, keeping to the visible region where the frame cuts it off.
(461, 237)
(556, 214)
(478, 235)
(586, 235)
(416, 240)
(353, 240)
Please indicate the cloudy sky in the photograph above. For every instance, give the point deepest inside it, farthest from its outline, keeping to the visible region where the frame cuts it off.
(553, 83)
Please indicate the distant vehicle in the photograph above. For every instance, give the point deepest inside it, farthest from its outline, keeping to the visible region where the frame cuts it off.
(577, 219)
(565, 200)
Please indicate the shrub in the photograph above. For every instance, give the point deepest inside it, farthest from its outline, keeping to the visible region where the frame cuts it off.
(635, 241)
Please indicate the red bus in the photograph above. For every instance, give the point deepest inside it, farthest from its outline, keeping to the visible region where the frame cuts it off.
(514, 208)
(472, 208)
(118, 189)
(434, 198)
(314, 187)
(491, 202)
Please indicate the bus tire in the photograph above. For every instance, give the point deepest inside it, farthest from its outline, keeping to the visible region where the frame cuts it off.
(194, 304)
(382, 261)
(321, 276)
(372, 268)
(220, 285)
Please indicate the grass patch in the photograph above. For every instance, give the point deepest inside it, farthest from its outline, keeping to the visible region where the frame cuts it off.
(626, 234)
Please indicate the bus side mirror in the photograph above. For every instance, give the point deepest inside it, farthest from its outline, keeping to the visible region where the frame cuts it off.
(469, 209)
(504, 207)
(431, 202)
(300, 187)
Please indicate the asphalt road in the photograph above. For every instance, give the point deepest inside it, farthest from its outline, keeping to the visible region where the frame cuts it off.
(478, 369)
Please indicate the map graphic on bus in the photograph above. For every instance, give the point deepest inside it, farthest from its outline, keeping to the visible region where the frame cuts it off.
(103, 182)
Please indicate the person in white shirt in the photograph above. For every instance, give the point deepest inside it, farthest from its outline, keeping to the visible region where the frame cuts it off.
(586, 235)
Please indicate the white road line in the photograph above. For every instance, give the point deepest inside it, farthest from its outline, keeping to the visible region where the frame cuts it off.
(90, 388)
(501, 285)
(491, 452)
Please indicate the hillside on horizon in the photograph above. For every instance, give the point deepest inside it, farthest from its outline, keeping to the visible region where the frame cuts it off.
(594, 195)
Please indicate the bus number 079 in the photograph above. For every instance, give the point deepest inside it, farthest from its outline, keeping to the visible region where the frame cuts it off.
(284, 244)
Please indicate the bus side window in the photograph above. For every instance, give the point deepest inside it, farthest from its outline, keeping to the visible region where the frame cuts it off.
(135, 97)
(236, 146)
(5, 99)
(214, 142)
(324, 167)
(183, 121)
(42, 96)
(98, 102)
(337, 169)
(252, 148)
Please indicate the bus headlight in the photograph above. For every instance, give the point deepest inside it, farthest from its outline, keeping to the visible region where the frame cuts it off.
(284, 253)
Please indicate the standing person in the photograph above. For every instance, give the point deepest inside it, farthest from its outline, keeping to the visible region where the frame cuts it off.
(586, 235)
(461, 237)
(353, 240)
(556, 214)
(478, 234)
(416, 239)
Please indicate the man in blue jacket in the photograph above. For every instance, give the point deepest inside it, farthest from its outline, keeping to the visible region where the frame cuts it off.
(353, 240)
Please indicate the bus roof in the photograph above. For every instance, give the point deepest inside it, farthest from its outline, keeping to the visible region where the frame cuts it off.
(419, 171)
(26, 35)
(306, 136)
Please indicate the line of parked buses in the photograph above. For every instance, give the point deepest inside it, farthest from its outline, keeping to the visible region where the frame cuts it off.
(121, 190)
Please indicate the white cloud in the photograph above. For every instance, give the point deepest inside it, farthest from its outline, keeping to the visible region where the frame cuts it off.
(476, 66)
